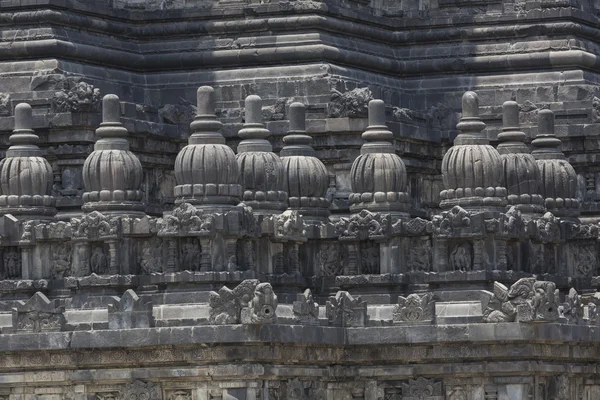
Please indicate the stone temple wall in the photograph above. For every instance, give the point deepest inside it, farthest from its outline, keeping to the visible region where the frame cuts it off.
(299, 200)
(418, 56)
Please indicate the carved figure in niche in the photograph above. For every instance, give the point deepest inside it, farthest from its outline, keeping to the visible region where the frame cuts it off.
(12, 263)
(419, 257)
(150, 256)
(369, 254)
(71, 182)
(190, 255)
(331, 259)
(61, 260)
(99, 261)
(461, 258)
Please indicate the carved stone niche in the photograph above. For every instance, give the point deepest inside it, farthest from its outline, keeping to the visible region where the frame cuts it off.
(38, 314)
(11, 263)
(460, 256)
(100, 259)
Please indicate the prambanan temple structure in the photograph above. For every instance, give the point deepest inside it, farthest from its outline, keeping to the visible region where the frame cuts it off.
(300, 200)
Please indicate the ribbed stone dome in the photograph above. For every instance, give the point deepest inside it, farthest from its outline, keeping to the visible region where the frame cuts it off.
(112, 175)
(521, 176)
(25, 177)
(305, 175)
(520, 170)
(378, 175)
(112, 170)
(378, 172)
(475, 167)
(206, 170)
(558, 180)
(261, 170)
(472, 169)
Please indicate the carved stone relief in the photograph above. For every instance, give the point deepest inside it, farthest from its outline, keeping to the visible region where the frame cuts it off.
(461, 257)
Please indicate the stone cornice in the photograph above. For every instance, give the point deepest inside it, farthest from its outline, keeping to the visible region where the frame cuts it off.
(474, 334)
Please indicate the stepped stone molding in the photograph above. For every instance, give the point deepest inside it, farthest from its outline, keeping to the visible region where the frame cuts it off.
(262, 171)
(520, 170)
(112, 174)
(306, 177)
(378, 175)
(206, 170)
(471, 168)
(558, 182)
(25, 176)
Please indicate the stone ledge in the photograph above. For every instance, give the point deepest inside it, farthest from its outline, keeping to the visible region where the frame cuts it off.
(303, 335)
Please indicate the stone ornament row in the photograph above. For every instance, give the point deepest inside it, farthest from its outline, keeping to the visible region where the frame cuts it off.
(255, 303)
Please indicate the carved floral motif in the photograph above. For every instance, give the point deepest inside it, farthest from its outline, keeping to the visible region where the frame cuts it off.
(351, 104)
(38, 314)
(414, 308)
(527, 300)
(290, 224)
(345, 310)
(227, 304)
(422, 389)
(188, 220)
(94, 225)
(331, 259)
(139, 390)
(362, 225)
